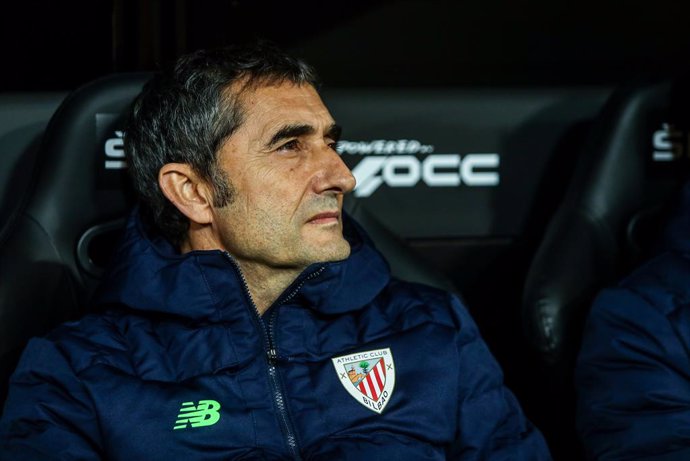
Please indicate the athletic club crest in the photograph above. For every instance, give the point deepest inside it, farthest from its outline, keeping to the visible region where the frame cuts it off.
(368, 376)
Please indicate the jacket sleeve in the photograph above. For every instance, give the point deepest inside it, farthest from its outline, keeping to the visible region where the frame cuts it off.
(492, 425)
(633, 379)
(48, 414)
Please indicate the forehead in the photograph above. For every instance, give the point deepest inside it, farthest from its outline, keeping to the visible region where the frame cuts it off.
(268, 108)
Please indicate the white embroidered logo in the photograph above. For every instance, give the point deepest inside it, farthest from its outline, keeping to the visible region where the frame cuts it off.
(369, 377)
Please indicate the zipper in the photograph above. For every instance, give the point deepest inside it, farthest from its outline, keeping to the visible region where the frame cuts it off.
(279, 400)
(284, 300)
(272, 354)
(261, 325)
(273, 359)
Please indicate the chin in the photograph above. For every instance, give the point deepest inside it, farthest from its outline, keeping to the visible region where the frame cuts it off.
(332, 252)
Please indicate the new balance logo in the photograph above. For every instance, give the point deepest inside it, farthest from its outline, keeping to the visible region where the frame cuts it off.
(204, 414)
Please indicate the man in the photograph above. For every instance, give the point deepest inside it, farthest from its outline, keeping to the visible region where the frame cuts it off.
(633, 371)
(245, 317)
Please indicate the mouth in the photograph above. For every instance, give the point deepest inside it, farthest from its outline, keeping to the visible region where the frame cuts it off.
(327, 217)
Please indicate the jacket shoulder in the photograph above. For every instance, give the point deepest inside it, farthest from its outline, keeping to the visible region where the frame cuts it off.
(661, 283)
(427, 304)
(636, 340)
(94, 339)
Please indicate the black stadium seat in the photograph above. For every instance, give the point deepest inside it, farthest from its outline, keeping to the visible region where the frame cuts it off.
(23, 118)
(632, 165)
(49, 257)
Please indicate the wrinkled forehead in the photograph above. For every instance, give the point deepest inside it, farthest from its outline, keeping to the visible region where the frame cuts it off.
(267, 108)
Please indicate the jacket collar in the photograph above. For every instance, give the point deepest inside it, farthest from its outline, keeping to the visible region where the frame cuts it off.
(149, 275)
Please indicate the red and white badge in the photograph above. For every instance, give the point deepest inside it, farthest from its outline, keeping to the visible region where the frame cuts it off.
(368, 376)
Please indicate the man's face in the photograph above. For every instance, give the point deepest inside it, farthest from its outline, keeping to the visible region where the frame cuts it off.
(288, 181)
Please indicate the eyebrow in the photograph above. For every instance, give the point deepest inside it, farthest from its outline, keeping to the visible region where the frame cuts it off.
(297, 130)
(334, 131)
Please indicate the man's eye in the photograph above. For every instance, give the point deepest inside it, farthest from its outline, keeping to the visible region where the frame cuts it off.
(333, 145)
(290, 145)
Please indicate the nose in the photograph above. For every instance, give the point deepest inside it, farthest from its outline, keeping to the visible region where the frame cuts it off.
(334, 175)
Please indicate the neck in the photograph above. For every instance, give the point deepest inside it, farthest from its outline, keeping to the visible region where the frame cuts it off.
(265, 284)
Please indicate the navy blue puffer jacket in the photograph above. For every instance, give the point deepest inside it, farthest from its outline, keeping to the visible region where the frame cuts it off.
(633, 371)
(347, 364)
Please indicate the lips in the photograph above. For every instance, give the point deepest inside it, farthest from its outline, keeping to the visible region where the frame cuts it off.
(325, 217)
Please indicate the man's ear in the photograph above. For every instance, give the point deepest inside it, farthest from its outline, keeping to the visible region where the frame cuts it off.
(187, 191)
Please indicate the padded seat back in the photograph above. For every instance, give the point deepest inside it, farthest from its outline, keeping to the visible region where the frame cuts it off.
(52, 255)
(633, 163)
(23, 119)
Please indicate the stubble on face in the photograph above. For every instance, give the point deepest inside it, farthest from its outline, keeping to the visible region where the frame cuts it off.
(270, 219)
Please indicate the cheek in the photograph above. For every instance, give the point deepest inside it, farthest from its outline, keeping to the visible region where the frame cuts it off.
(279, 199)
(269, 205)
(266, 220)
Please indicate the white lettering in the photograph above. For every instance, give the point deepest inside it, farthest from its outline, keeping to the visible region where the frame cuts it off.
(661, 139)
(384, 147)
(434, 178)
(436, 170)
(115, 164)
(365, 174)
(473, 178)
(667, 142)
(402, 171)
(114, 149)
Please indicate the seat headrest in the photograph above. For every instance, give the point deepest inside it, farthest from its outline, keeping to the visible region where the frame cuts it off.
(82, 179)
(23, 119)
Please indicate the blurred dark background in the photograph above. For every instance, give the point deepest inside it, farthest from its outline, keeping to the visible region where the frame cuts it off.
(51, 45)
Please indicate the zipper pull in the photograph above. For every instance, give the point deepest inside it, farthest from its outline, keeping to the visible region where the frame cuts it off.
(272, 356)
